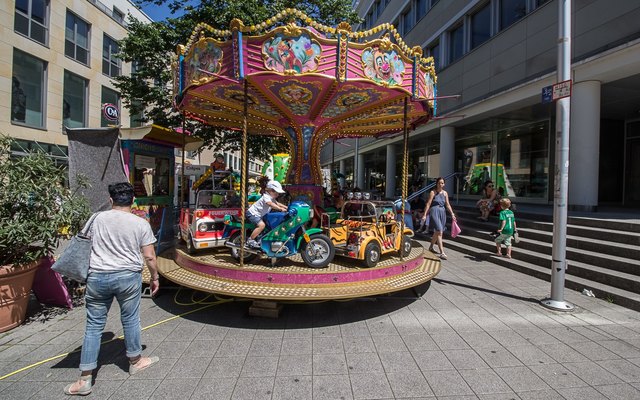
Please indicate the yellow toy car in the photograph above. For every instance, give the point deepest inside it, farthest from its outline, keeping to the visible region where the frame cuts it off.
(366, 230)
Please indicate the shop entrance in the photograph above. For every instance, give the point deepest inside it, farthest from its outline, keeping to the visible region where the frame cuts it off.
(632, 167)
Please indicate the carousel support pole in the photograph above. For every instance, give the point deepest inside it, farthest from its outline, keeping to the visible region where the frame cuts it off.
(334, 177)
(184, 139)
(405, 171)
(243, 178)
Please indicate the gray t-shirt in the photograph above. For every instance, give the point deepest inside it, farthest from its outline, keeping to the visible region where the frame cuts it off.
(117, 237)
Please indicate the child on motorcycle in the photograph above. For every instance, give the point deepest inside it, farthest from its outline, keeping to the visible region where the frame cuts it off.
(261, 208)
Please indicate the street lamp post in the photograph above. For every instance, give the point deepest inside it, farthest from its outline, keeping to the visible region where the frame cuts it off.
(561, 183)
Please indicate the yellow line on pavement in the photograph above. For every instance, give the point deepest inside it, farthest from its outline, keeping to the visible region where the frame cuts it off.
(117, 338)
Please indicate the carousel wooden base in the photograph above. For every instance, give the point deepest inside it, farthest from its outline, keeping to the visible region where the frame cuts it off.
(214, 271)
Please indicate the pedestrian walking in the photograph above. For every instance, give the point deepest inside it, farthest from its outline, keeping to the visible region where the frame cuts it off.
(435, 209)
(119, 241)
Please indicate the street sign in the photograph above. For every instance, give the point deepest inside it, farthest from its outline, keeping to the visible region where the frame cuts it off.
(547, 94)
(561, 89)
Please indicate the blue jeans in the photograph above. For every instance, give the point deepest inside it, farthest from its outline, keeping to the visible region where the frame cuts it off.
(126, 287)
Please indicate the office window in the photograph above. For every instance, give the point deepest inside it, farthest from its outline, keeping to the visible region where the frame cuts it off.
(408, 20)
(374, 11)
(434, 51)
(74, 101)
(481, 26)
(118, 15)
(136, 114)
(76, 43)
(511, 11)
(541, 2)
(456, 43)
(109, 97)
(28, 90)
(110, 63)
(421, 8)
(31, 19)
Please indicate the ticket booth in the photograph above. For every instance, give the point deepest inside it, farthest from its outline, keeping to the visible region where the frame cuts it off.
(149, 158)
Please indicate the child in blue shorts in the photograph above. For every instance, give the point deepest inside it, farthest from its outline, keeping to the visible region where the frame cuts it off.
(507, 227)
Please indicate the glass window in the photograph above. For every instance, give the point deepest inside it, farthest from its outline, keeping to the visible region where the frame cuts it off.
(74, 101)
(541, 2)
(110, 63)
(434, 51)
(28, 90)
(31, 19)
(511, 11)
(76, 43)
(109, 97)
(456, 43)
(136, 117)
(118, 15)
(481, 26)
(151, 176)
(421, 8)
(408, 20)
(523, 160)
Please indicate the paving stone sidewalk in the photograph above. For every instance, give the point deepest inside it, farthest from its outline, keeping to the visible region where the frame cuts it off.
(477, 332)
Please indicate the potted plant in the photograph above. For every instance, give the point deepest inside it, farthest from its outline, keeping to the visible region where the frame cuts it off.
(35, 207)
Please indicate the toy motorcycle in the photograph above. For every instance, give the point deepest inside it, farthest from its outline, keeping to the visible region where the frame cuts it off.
(284, 235)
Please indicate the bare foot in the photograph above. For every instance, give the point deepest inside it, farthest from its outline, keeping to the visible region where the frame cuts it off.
(508, 255)
(499, 254)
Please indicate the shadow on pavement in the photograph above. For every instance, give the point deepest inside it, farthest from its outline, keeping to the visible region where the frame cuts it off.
(511, 296)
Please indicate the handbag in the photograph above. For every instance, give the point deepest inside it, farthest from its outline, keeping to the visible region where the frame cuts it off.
(74, 260)
(455, 229)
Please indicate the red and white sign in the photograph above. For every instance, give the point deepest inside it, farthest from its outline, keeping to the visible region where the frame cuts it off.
(561, 90)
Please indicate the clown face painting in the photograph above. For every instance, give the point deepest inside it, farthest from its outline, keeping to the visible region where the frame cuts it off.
(382, 66)
(296, 54)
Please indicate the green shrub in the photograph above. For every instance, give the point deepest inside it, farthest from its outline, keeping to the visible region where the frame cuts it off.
(35, 206)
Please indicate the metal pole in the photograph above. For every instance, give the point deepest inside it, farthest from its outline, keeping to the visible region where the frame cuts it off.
(405, 174)
(561, 184)
(243, 178)
(182, 185)
(355, 165)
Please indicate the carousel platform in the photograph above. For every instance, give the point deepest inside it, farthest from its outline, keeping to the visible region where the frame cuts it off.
(214, 271)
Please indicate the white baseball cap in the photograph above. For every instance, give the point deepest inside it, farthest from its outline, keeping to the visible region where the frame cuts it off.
(275, 185)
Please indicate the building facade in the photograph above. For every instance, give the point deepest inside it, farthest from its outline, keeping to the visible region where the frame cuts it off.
(498, 56)
(59, 59)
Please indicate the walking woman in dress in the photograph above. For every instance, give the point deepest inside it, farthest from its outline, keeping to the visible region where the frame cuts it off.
(435, 209)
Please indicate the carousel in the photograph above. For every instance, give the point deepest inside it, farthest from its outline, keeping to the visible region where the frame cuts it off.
(292, 77)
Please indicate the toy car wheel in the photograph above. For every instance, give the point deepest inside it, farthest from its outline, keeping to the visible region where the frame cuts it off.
(235, 252)
(191, 249)
(406, 246)
(319, 252)
(372, 254)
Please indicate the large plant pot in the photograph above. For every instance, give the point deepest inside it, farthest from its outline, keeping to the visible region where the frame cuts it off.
(15, 288)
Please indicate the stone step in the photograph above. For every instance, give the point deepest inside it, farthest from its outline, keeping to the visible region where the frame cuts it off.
(622, 258)
(622, 238)
(597, 273)
(615, 295)
(593, 226)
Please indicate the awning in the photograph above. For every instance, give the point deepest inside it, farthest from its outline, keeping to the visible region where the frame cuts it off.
(161, 134)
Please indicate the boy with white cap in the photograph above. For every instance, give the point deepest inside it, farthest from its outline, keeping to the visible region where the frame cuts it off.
(262, 207)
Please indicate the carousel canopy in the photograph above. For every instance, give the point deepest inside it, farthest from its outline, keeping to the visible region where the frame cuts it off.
(307, 83)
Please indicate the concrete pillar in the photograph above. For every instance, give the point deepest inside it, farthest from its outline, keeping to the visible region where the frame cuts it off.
(584, 146)
(360, 178)
(343, 170)
(390, 172)
(447, 150)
